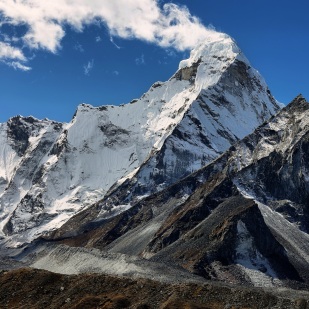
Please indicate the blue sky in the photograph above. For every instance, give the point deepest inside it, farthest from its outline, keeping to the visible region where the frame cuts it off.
(104, 51)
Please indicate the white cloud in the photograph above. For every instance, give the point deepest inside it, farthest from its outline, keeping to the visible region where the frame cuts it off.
(13, 57)
(9, 52)
(88, 67)
(18, 66)
(140, 60)
(167, 26)
(98, 39)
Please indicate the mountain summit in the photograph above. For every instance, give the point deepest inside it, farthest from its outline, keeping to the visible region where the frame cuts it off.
(51, 171)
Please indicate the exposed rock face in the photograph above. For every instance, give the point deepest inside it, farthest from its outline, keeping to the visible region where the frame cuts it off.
(188, 73)
(55, 171)
(24, 144)
(242, 219)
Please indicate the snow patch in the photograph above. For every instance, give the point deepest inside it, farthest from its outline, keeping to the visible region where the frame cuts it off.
(252, 262)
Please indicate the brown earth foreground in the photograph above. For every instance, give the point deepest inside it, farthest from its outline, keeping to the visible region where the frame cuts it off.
(32, 288)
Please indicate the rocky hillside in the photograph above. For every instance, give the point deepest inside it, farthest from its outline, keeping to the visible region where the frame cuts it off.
(241, 219)
(26, 288)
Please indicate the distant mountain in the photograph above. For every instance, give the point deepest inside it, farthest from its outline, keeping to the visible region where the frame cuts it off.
(113, 156)
(242, 219)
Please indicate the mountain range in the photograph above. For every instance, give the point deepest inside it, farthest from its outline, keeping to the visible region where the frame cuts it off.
(205, 177)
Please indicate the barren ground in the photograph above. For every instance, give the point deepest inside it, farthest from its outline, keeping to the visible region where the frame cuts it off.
(32, 288)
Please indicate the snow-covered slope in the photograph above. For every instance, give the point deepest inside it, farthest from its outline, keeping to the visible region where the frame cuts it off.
(24, 145)
(55, 171)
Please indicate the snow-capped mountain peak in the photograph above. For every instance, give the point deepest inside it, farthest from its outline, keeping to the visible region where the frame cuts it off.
(221, 45)
(177, 126)
(210, 59)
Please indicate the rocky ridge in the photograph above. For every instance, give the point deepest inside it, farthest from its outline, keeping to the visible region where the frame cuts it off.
(240, 219)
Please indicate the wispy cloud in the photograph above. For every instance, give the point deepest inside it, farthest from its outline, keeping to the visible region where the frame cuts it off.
(98, 39)
(112, 40)
(88, 67)
(18, 66)
(79, 47)
(13, 57)
(140, 60)
(170, 52)
(116, 73)
(169, 25)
